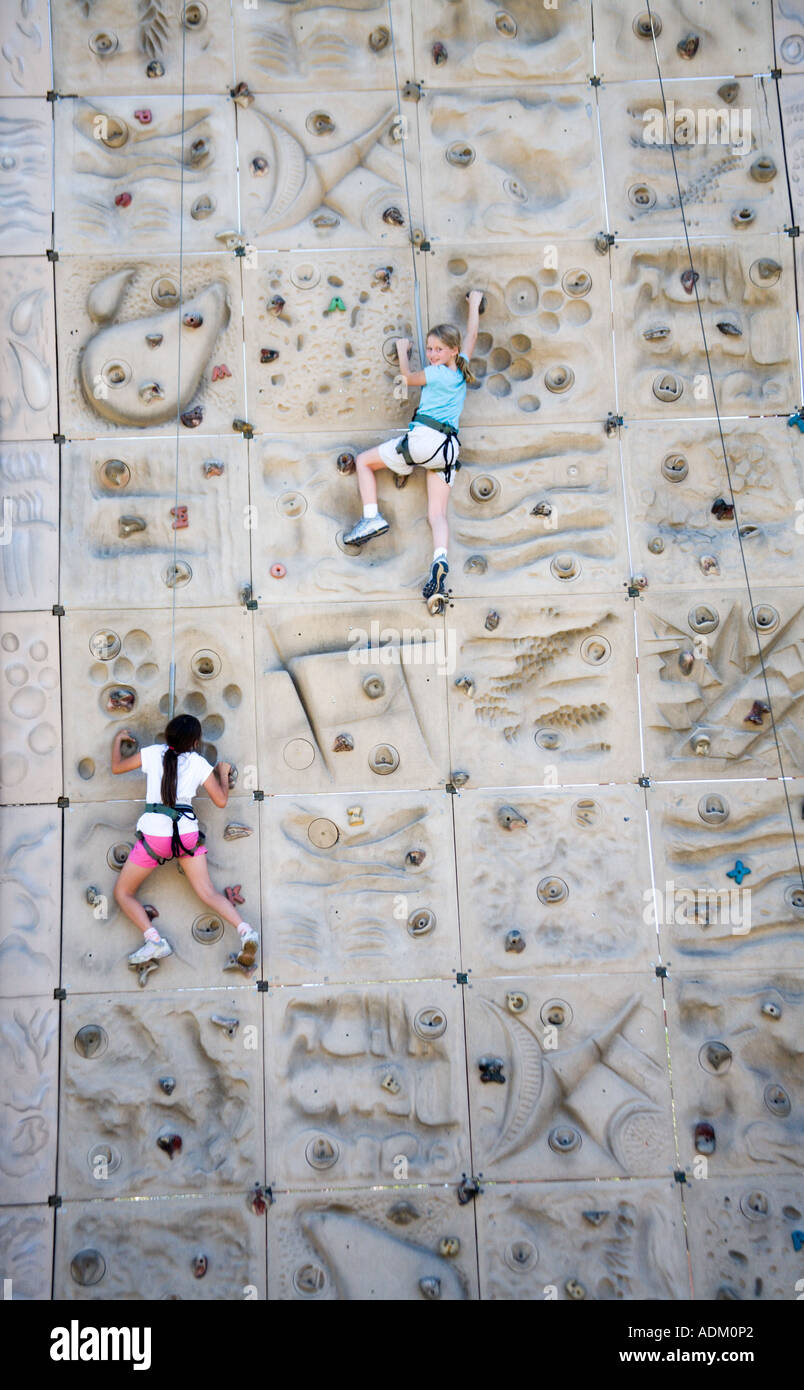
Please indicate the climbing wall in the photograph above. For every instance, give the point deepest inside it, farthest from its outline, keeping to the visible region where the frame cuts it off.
(526, 873)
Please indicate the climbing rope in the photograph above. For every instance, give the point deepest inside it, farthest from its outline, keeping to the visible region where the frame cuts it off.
(179, 311)
(694, 277)
(402, 126)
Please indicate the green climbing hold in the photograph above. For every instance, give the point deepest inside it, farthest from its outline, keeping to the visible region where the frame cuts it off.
(336, 303)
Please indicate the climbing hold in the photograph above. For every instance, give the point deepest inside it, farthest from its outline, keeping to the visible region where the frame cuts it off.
(440, 55)
(575, 1289)
(729, 92)
(777, 1100)
(87, 1267)
(278, 571)
(180, 519)
(259, 166)
(241, 427)
(234, 894)
(739, 872)
(797, 1238)
(421, 922)
(192, 320)
(143, 971)
(167, 1084)
(771, 1009)
(564, 1139)
(723, 510)
(354, 815)
(542, 509)
(467, 1190)
(276, 305)
(346, 463)
(415, 857)
(169, 1144)
(155, 69)
(241, 96)
(403, 1213)
(120, 698)
(656, 545)
(260, 1199)
(510, 819)
(379, 38)
(393, 217)
(716, 1056)
(491, 1069)
(515, 1002)
(374, 687)
(221, 371)
(336, 305)
(459, 779)
(151, 391)
(466, 684)
(688, 46)
(595, 1218)
(709, 564)
(383, 759)
(730, 330)
(93, 896)
(756, 713)
(383, 276)
(143, 116)
(430, 1286)
(514, 941)
(192, 418)
(704, 1138)
(123, 200)
(657, 334)
(236, 831)
(689, 279)
(91, 1040)
(344, 743)
(268, 354)
(742, 216)
(390, 1084)
(763, 169)
(151, 911)
(701, 743)
(686, 661)
(797, 418)
(449, 1247)
(200, 1266)
(127, 525)
(668, 387)
(492, 620)
(229, 1025)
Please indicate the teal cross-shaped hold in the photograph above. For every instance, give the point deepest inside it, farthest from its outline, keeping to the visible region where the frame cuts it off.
(739, 872)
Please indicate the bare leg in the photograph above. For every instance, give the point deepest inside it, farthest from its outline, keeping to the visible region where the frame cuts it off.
(197, 873)
(366, 464)
(437, 501)
(131, 876)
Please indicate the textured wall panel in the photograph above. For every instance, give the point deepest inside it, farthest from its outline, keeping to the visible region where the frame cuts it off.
(601, 1241)
(281, 47)
(740, 1236)
(735, 1044)
(26, 1237)
(150, 1250)
(30, 764)
(359, 888)
(728, 154)
(28, 357)
(110, 46)
(30, 894)
(533, 896)
(746, 298)
(366, 1085)
(118, 536)
(693, 38)
(120, 167)
(119, 1058)
(520, 41)
(572, 1085)
(335, 366)
(127, 666)
(25, 48)
(510, 166)
(545, 335)
(676, 475)
(26, 162)
(700, 833)
(119, 363)
(373, 673)
(701, 675)
(372, 1245)
(29, 562)
(788, 28)
(546, 695)
(98, 937)
(327, 170)
(29, 1043)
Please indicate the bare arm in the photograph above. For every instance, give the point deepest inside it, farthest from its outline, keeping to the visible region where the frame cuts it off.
(217, 784)
(410, 378)
(123, 764)
(475, 298)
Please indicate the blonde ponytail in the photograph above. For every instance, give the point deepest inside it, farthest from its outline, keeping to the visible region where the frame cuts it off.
(465, 370)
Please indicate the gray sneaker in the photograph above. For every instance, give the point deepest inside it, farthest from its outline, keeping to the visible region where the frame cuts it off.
(366, 529)
(150, 950)
(249, 946)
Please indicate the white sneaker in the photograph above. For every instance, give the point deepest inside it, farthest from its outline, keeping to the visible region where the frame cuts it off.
(365, 530)
(249, 946)
(150, 950)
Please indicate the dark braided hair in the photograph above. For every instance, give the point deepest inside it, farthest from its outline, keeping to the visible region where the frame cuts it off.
(181, 736)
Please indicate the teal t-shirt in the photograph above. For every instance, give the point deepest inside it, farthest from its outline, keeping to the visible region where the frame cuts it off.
(443, 395)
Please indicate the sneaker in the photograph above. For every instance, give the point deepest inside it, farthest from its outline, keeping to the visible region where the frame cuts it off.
(249, 946)
(366, 529)
(435, 584)
(150, 950)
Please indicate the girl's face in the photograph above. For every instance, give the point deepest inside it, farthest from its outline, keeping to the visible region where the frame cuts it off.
(439, 355)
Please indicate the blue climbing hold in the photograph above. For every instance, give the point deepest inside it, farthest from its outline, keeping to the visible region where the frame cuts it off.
(798, 1240)
(797, 418)
(739, 872)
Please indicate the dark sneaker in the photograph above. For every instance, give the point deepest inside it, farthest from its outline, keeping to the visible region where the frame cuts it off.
(435, 584)
(366, 529)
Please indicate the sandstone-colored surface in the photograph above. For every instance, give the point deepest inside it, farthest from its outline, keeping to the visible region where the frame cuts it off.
(740, 1234)
(28, 353)
(30, 763)
(29, 561)
(29, 1028)
(30, 892)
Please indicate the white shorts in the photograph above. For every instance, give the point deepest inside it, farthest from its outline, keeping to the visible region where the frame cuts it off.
(423, 443)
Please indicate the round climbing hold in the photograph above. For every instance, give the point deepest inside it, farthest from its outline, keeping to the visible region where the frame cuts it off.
(556, 1013)
(195, 15)
(564, 1139)
(103, 43)
(393, 217)
(483, 489)
(91, 1040)
(675, 468)
(114, 132)
(668, 387)
(565, 567)
(421, 922)
(439, 52)
(460, 153)
(642, 196)
(322, 1152)
(320, 123)
(505, 24)
(647, 25)
(559, 378)
(763, 169)
(742, 216)
(87, 1267)
(713, 809)
(552, 890)
(374, 687)
(383, 759)
(278, 570)
(430, 1023)
(379, 38)
(259, 166)
(323, 833)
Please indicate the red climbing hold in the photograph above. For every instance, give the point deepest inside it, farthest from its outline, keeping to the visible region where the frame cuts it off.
(123, 200)
(219, 372)
(143, 116)
(278, 571)
(689, 279)
(181, 521)
(234, 894)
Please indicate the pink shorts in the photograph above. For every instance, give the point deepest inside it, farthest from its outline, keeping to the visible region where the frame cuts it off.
(161, 845)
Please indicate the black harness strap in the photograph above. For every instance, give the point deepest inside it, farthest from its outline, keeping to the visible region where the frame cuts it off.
(177, 845)
(447, 448)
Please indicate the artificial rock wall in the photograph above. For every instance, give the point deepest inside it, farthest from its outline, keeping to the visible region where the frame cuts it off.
(450, 850)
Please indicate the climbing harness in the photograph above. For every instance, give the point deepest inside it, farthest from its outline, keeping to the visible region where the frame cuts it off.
(177, 845)
(448, 448)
